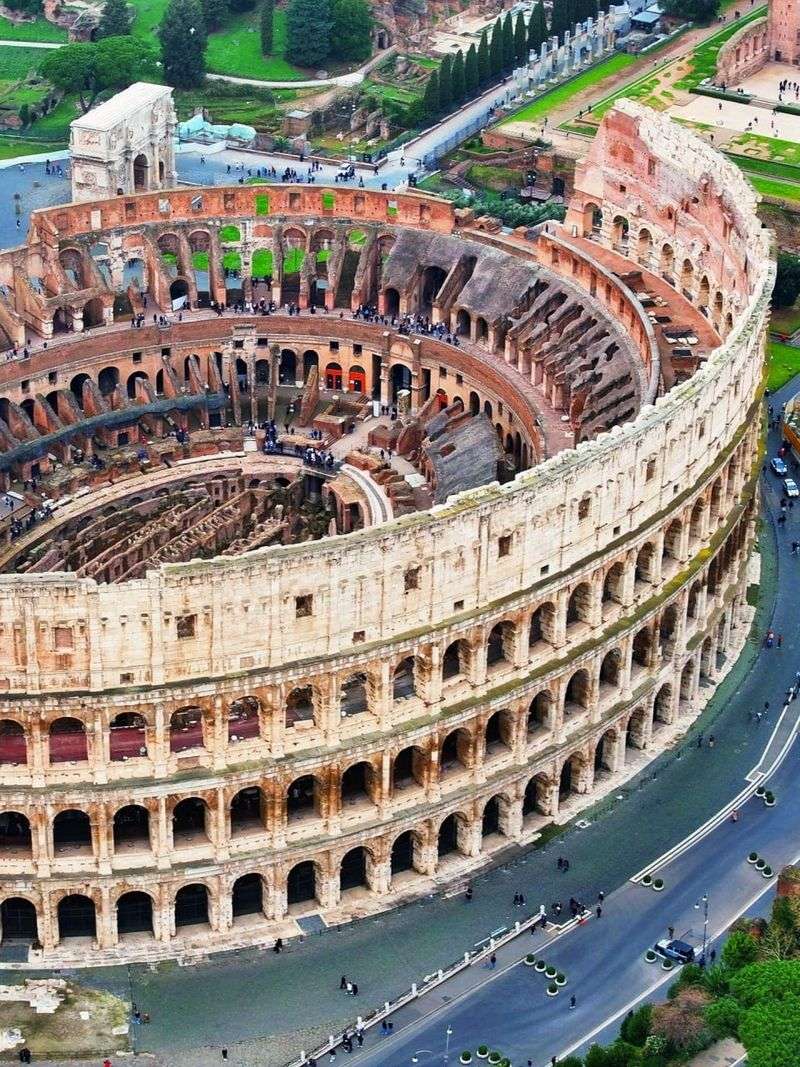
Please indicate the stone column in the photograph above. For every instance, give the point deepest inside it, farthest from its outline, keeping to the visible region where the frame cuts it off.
(163, 835)
(106, 919)
(38, 756)
(222, 827)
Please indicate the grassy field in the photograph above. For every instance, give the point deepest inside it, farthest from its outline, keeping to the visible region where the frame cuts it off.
(767, 148)
(704, 57)
(16, 63)
(226, 109)
(766, 167)
(37, 30)
(778, 189)
(65, 1033)
(487, 176)
(538, 109)
(783, 363)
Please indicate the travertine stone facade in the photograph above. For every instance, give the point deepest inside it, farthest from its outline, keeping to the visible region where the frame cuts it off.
(196, 757)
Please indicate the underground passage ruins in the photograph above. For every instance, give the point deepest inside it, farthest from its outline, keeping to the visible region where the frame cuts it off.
(477, 575)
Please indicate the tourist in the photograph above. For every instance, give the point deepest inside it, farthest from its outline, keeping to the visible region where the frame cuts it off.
(572, 1002)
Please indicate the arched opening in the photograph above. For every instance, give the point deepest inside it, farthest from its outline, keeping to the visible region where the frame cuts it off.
(300, 706)
(179, 294)
(93, 314)
(15, 834)
(481, 330)
(127, 736)
(357, 379)
(620, 233)
(450, 832)
(67, 741)
(463, 323)
(537, 798)
(353, 870)
(354, 695)
(243, 719)
(540, 714)
(577, 693)
(569, 777)
(592, 219)
(644, 246)
(500, 646)
(579, 606)
(408, 769)
(490, 821)
(18, 921)
(610, 671)
(605, 753)
(642, 648)
(454, 661)
(301, 884)
(662, 706)
(540, 629)
(613, 585)
(403, 854)
(636, 730)
(432, 280)
(13, 744)
(687, 277)
(140, 173)
(131, 828)
(400, 377)
(191, 905)
(667, 262)
(391, 302)
(456, 753)
(668, 629)
(186, 729)
(248, 811)
(134, 914)
(138, 375)
(498, 734)
(310, 360)
(190, 822)
(403, 681)
(247, 896)
(333, 377)
(76, 917)
(108, 380)
(287, 368)
(303, 799)
(672, 541)
(76, 387)
(644, 567)
(358, 785)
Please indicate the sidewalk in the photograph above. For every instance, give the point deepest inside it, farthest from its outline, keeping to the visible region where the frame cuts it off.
(725, 1053)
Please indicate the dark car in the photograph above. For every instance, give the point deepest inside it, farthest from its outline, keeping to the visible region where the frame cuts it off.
(779, 466)
(677, 951)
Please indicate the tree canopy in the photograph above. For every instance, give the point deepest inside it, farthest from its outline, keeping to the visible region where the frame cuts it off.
(183, 44)
(351, 31)
(308, 32)
(702, 11)
(90, 69)
(116, 20)
(267, 20)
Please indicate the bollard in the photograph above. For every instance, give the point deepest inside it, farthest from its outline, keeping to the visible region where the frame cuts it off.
(331, 1040)
(466, 957)
(413, 989)
(440, 973)
(516, 927)
(359, 1021)
(386, 1005)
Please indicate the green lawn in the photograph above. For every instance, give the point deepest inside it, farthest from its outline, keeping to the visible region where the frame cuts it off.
(12, 147)
(16, 63)
(785, 320)
(55, 125)
(37, 30)
(783, 362)
(766, 148)
(538, 109)
(148, 15)
(236, 50)
(704, 57)
(766, 166)
(772, 187)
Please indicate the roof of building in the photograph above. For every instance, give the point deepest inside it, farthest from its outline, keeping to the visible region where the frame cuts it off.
(649, 17)
(109, 114)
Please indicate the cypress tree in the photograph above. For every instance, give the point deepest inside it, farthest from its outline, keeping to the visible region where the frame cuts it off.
(471, 77)
(459, 79)
(496, 51)
(445, 85)
(116, 19)
(520, 40)
(183, 54)
(308, 32)
(430, 99)
(508, 42)
(561, 18)
(484, 60)
(537, 28)
(267, 15)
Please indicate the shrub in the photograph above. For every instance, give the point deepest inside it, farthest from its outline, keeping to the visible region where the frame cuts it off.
(636, 1025)
(658, 883)
(769, 796)
(550, 971)
(483, 1050)
(723, 1016)
(530, 958)
(739, 950)
(552, 988)
(753, 857)
(466, 1057)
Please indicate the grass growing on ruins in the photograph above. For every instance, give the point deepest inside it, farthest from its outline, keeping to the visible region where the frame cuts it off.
(236, 50)
(64, 1033)
(774, 188)
(783, 364)
(757, 147)
(538, 109)
(39, 29)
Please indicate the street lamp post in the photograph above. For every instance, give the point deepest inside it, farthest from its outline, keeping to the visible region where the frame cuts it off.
(445, 1055)
(704, 901)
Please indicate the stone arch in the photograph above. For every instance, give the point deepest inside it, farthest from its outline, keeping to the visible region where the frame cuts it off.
(409, 769)
(192, 905)
(76, 916)
(662, 705)
(577, 694)
(605, 753)
(15, 834)
(13, 743)
(299, 705)
(455, 753)
(67, 741)
(687, 277)
(537, 799)
(642, 648)
(540, 713)
(494, 815)
(620, 232)
(500, 645)
(127, 736)
(614, 584)
(498, 733)
(244, 721)
(693, 600)
(391, 302)
(406, 853)
(93, 313)
(672, 541)
(452, 835)
(134, 913)
(455, 660)
(141, 173)
(579, 605)
(136, 376)
(72, 832)
(668, 628)
(542, 625)
(248, 810)
(354, 869)
(644, 245)
(636, 729)
(186, 729)
(301, 884)
(108, 380)
(611, 669)
(247, 896)
(131, 829)
(18, 920)
(191, 822)
(354, 698)
(570, 775)
(358, 785)
(404, 683)
(667, 260)
(304, 798)
(644, 571)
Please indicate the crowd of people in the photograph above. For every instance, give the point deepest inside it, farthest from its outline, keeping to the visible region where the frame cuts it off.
(408, 324)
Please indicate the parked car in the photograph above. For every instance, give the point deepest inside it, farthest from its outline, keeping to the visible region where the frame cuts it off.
(677, 951)
(779, 466)
(790, 487)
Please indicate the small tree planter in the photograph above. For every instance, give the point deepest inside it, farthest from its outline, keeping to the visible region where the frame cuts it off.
(753, 857)
(539, 966)
(650, 956)
(667, 965)
(494, 1057)
(530, 960)
(658, 884)
(465, 1057)
(561, 980)
(550, 971)
(552, 990)
(760, 790)
(769, 800)
(482, 1052)
(767, 872)
(760, 864)
(647, 879)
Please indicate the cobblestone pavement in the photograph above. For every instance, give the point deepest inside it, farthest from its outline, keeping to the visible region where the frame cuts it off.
(266, 1007)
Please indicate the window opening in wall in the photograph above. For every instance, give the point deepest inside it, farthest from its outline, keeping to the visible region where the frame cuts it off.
(186, 625)
(303, 606)
(411, 579)
(458, 605)
(504, 545)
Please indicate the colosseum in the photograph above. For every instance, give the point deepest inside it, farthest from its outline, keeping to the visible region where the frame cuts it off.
(309, 609)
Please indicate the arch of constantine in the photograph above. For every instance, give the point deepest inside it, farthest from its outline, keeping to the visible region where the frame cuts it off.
(242, 688)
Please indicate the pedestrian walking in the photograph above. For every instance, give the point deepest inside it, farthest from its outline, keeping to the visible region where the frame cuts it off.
(492, 961)
(354, 989)
(343, 982)
(349, 989)
(572, 1002)
(671, 932)
(711, 741)
(780, 640)
(601, 896)
(599, 911)
(699, 740)
(560, 863)
(468, 893)
(224, 1054)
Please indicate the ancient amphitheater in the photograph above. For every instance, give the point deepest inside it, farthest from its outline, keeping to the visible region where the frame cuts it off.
(242, 687)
